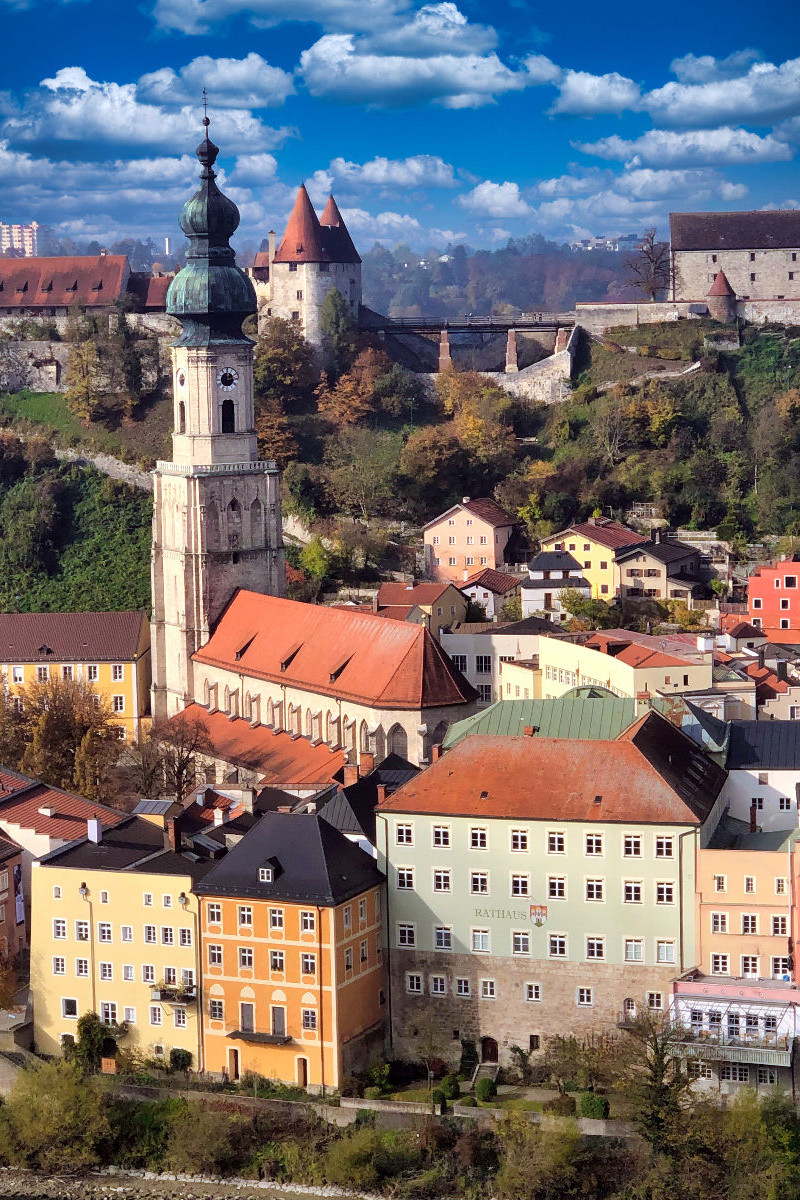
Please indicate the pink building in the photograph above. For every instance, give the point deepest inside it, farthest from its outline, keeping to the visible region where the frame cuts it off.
(470, 535)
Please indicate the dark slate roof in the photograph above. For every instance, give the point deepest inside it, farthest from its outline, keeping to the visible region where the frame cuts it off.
(735, 230)
(768, 745)
(680, 761)
(554, 560)
(316, 864)
(714, 732)
(119, 848)
(155, 808)
(665, 552)
(526, 625)
(352, 809)
(70, 636)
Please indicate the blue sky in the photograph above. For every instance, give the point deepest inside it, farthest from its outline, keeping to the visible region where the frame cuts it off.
(430, 122)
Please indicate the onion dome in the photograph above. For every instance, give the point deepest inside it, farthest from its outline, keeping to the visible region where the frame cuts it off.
(210, 296)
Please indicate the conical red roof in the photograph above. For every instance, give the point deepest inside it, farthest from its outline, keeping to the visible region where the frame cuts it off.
(331, 214)
(337, 239)
(303, 238)
(720, 286)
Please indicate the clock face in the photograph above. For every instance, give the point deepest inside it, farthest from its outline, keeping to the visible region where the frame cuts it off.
(227, 379)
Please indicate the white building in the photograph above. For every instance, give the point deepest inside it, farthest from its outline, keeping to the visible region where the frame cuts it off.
(550, 573)
(478, 649)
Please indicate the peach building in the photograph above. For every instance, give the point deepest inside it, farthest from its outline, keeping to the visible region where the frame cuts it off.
(470, 535)
(292, 964)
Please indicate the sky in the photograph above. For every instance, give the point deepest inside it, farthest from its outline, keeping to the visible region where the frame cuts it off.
(432, 123)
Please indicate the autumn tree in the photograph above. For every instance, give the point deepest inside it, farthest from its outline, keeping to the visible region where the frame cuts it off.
(184, 741)
(648, 269)
(656, 1081)
(84, 393)
(54, 1121)
(362, 469)
(70, 739)
(338, 333)
(283, 384)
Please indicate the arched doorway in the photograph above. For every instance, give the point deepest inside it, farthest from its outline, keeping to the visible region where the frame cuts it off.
(233, 1063)
(302, 1072)
(181, 417)
(488, 1050)
(228, 416)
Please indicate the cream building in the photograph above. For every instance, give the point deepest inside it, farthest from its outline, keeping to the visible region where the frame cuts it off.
(759, 253)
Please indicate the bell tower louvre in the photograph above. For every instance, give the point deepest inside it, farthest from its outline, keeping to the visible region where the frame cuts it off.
(216, 507)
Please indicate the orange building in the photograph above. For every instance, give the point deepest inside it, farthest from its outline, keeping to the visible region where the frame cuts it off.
(292, 968)
(470, 535)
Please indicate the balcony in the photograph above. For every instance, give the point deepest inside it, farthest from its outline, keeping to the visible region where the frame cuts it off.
(173, 993)
(262, 1039)
(773, 1051)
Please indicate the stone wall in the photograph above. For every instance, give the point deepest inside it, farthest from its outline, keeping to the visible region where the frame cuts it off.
(597, 317)
(158, 323)
(38, 365)
(545, 382)
(765, 274)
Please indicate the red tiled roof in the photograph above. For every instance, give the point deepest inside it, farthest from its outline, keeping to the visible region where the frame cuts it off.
(640, 656)
(417, 593)
(261, 259)
(90, 281)
(337, 238)
(743, 629)
(484, 507)
(768, 685)
(355, 655)
(70, 637)
(21, 799)
(494, 581)
(543, 778)
(283, 760)
(397, 612)
(307, 240)
(605, 531)
(720, 286)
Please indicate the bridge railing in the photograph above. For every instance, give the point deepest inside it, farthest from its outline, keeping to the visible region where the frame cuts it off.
(473, 322)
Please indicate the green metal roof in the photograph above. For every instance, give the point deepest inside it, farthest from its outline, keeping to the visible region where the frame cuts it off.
(583, 716)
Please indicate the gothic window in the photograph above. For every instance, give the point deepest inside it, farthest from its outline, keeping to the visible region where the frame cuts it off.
(309, 724)
(380, 744)
(330, 729)
(234, 524)
(256, 524)
(248, 707)
(398, 741)
(181, 417)
(270, 712)
(228, 416)
(206, 693)
(226, 699)
(363, 739)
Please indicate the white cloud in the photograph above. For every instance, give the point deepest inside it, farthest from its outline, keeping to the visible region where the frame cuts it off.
(677, 148)
(495, 200)
(705, 68)
(231, 83)
(381, 225)
(254, 169)
(421, 170)
(347, 68)
(733, 191)
(434, 29)
(200, 16)
(762, 95)
(71, 107)
(585, 95)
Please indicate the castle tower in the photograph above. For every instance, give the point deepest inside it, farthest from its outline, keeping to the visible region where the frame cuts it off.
(721, 300)
(315, 255)
(216, 508)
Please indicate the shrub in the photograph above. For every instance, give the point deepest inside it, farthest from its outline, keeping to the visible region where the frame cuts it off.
(53, 1121)
(372, 1093)
(179, 1060)
(591, 1105)
(468, 1102)
(205, 1140)
(451, 1087)
(351, 1086)
(485, 1090)
(439, 1100)
(560, 1106)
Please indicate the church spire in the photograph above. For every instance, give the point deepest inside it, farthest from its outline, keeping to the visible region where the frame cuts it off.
(210, 296)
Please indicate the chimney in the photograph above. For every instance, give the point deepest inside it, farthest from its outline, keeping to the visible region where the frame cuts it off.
(366, 762)
(94, 830)
(782, 670)
(753, 822)
(103, 252)
(465, 499)
(219, 816)
(761, 658)
(527, 731)
(248, 799)
(172, 835)
(436, 752)
(271, 251)
(350, 774)
(381, 793)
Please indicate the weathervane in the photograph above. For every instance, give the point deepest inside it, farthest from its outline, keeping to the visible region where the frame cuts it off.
(206, 121)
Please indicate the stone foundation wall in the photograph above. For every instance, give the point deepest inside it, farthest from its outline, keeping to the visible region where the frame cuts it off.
(545, 382)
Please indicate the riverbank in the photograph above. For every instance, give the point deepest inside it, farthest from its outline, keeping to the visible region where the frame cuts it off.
(148, 1185)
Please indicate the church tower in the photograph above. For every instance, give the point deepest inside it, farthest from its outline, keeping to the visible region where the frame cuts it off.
(216, 507)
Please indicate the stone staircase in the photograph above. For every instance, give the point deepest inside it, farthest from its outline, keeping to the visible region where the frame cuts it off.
(484, 1070)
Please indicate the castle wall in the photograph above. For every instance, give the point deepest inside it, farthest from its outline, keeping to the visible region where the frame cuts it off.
(762, 274)
(299, 294)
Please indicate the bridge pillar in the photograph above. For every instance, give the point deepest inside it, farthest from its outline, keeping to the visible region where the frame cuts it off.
(445, 361)
(511, 352)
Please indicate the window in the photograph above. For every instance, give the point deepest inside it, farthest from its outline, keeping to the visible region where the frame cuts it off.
(60, 929)
(179, 1018)
(156, 1015)
(750, 884)
(462, 987)
(749, 923)
(655, 1000)
(632, 845)
(126, 933)
(308, 964)
(780, 967)
(441, 881)
(104, 932)
(216, 1010)
(150, 934)
(585, 997)
(555, 843)
(720, 883)
(483, 664)
(69, 1009)
(406, 934)
(276, 918)
(477, 838)
(117, 672)
(245, 915)
(42, 674)
(309, 1019)
(720, 964)
(632, 891)
(459, 661)
(348, 959)
(405, 879)
(438, 985)
(556, 887)
(404, 835)
(265, 874)
(488, 989)
(557, 945)
(106, 972)
(520, 885)
(594, 843)
(128, 973)
(520, 942)
(308, 922)
(167, 935)
(634, 950)
(734, 1072)
(92, 673)
(719, 922)
(770, 1024)
(533, 992)
(665, 952)
(480, 941)
(784, 803)
(779, 926)
(214, 914)
(750, 966)
(780, 886)
(664, 847)
(519, 839)
(479, 883)
(414, 984)
(758, 801)
(767, 1075)
(59, 966)
(442, 938)
(594, 889)
(276, 960)
(441, 835)
(118, 704)
(699, 1070)
(595, 948)
(148, 973)
(246, 958)
(215, 956)
(665, 893)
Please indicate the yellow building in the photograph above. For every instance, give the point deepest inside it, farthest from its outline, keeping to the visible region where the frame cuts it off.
(110, 651)
(594, 544)
(520, 679)
(626, 663)
(116, 933)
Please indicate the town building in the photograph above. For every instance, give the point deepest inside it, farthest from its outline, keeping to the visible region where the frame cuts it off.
(19, 239)
(759, 253)
(345, 681)
(492, 590)
(349, 805)
(216, 506)
(762, 759)
(314, 257)
(537, 885)
(773, 599)
(108, 651)
(549, 574)
(51, 287)
(478, 648)
(521, 679)
(584, 713)
(13, 917)
(293, 974)
(658, 570)
(472, 534)
(595, 543)
(440, 603)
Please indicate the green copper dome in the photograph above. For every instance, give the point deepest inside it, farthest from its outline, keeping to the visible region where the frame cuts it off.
(210, 296)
